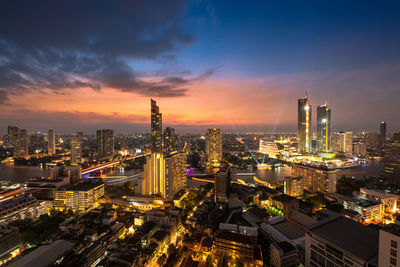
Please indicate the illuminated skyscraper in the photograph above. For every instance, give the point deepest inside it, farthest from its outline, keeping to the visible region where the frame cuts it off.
(12, 133)
(346, 142)
(76, 150)
(164, 175)
(169, 139)
(214, 146)
(304, 126)
(156, 127)
(382, 137)
(105, 142)
(324, 143)
(51, 141)
(21, 144)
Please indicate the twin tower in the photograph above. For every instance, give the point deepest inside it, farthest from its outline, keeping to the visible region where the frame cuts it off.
(304, 129)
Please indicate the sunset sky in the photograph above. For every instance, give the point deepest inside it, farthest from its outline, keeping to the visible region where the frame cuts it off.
(239, 65)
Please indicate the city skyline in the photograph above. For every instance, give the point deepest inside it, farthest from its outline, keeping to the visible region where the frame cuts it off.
(343, 53)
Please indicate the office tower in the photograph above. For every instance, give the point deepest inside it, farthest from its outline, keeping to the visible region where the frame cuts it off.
(176, 171)
(55, 172)
(105, 142)
(153, 175)
(51, 139)
(169, 139)
(221, 186)
(323, 128)
(164, 175)
(304, 126)
(156, 127)
(214, 146)
(76, 150)
(21, 144)
(294, 186)
(382, 136)
(12, 133)
(346, 142)
(371, 140)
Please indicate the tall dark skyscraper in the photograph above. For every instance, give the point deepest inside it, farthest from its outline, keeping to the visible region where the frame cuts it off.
(12, 134)
(105, 142)
(221, 186)
(51, 141)
(304, 125)
(156, 127)
(169, 139)
(382, 138)
(324, 143)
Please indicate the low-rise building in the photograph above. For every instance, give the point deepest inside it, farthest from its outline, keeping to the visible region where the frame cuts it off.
(10, 241)
(283, 254)
(388, 200)
(21, 207)
(339, 241)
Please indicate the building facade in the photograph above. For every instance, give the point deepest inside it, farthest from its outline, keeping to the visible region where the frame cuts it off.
(76, 150)
(294, 186)
(169, 139)
(222, 184)
(21, 207)
(315, 178)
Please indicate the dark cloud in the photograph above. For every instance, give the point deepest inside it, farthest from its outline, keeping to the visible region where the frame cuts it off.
(71, 44)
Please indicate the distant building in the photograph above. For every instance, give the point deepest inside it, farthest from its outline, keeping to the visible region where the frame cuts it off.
(391, 161)
(293, 186)
(76, 150)
(21, 207)
(79, 197)
(371, 140)
(323, 129)
(222, 184)
(156, 128)
(315, 178)
(73, 173)
(382, 135)
(20, 148)
(360, 149)
(346, 142)
(388, 200)
(269, 147)
(304, 126)
(12, 134)
(105, 143)
(51, 141)
(338, 241)
(214, 146)
(169, 139)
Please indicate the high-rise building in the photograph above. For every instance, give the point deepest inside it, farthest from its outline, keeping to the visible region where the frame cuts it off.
(76, 150)
(371, 140)
(323, 129)
(391, 161)
(360, 149)
(20, 148)
(156, 128)
(164, 175)
(316, 179)
(12, 133)
(169, 139)
(294, 186)
(382, 136)
(123, 144)
(345, 142)
(222, 184)
(37, 143)
(105, 142)
(51, 139)
(304, 126)
(214, 146)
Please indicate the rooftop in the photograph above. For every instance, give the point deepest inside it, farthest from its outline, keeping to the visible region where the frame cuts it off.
(348, 235)
(85, 186)
(285, 246)
(235, 237)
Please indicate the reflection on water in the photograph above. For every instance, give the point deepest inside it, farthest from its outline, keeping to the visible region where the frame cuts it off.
(19, 174)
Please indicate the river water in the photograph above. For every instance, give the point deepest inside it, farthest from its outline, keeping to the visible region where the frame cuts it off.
(20, 174)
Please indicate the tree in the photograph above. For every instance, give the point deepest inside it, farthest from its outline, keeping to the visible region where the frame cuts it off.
(129, 188)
